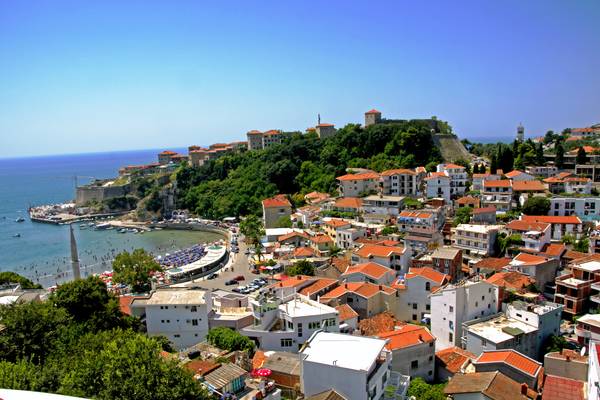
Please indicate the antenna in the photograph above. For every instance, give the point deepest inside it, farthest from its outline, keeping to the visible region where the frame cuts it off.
(319, 119)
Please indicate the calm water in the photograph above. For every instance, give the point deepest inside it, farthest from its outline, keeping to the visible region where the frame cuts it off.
(42, 251)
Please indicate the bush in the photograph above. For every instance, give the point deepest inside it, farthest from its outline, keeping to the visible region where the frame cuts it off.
(228, 339)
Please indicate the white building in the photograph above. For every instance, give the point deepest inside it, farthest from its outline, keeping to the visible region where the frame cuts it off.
(524, 327)
(458, 178)
(356, 185)
(284, 323)
(382, 204)
(356, 367)
(498, 194)
(413, 293)
(478, 180)
(438, 185)
(574, 184)
(476, 241)
(346, 238)
(369, 272)
(519, 176)
(542, 171)
(394, 257)
(454, 304)
(179, 314)
(399, 182)
(586, 208)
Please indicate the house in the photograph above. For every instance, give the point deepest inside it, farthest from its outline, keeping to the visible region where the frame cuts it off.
(543, 171)
(588, 329)
(476, 241)
(542, 269)
(484, 215)
(316, 197)
(593, 380)
(451, 361)
(478, 180)
(487, 386)
(413, 293)
(274, 209)
(522, 190)
(321, 244)
(399, 182)
(566, 363)
(497, 194)
(285, 323)
(458, 178)
(438, 186)
(523, 327)
(357, 185)
(228, 378)
(332, 225)
(447, 260)
(467, 201)
(586, 208)
(574, 289)
(347, 238)
(422, 228)
(367, 299)
(453, 304)
(513, 364)
(356, 367)
(181, 315)
(394, 257)
(578, 185)
(348, 318)
(536, 235)
(561, 226)
(348, 204)
(489, 266)
(369, 272)
(318, 287)
(284, 366)
(511, 282)
(516, 176)
(229, 309)
(164, 157)
(295, 238)
(413, 351)
(382, 204)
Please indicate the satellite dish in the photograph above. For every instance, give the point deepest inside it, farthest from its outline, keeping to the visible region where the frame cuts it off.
(582, 352)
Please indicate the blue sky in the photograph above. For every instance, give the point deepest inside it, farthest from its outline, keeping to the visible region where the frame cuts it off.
(82, 76)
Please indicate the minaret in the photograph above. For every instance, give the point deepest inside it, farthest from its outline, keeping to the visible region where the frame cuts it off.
(520, 133)
(74, 256)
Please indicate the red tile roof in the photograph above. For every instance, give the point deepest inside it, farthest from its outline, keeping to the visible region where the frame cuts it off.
(363, 289)
(292, 281)
(510, 280)
(453, 166)
(168, 152)
(500, 183)
(291, 235)
(513, 173)
(560, 388)
(526, 226)
(453, 358)
(324, 124)
(321, 239)
(399, 171)
(370, 269)
(468, 200)
(346, 312)
(435, 175)
(406, 336)
(358, 177)
(379, 323)
(550, 219)
(495, 264)
(373, 250)
(415, 214)
(348, 202)
(304, 252)
(276, 201)
(317, 286)
(255, 132)
(529, 259)
(483, 210)
(429, 273)
(512, 358)
(201, 367)
(336, 222)
(528, 186)
(259, 359)
(554, 249)
(373, 111)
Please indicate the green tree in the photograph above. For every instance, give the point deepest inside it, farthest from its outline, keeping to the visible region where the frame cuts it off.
(12, 277)
(228, 339)
(581, 156)
(554, 343)
(284, 222)
(536, 205)
(582, 245)
(462, 215)
(421, 390)
(251, 227)
(559, 159)
(493, 164)
(568, 239)
(539, 154)
(504, 242)
(135, 269)
(302, 267)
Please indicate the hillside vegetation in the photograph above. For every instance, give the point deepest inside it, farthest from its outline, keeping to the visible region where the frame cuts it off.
(235, 184)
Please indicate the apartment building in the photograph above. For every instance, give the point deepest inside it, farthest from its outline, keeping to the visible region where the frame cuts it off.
(399, 182)
(254, 140)
(517, 175)
(586, 208)
(475, 241)
(588, 329)
(422, 228)
(285, 324)
(357, 185)
(524, 327)
(541, 171)
(331, 226)
(458, 178)
(453, 304)
(497, 194)
(347, 238)
(394, 257)
(593, 380)
(413, 292)
(384, 205)
(438, 186)
(536, 235)
(181, 315)
(541, 269)
(561, 226)
(275, 208)
(355, 367)
(580, 286)
(478, 180)
(448, 261)
(413, 351)
(513, 364)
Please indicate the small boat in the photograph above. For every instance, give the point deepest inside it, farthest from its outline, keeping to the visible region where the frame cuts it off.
(20, 219)
(17, 235)
(102, 226)
(122, 230)
(83, 226)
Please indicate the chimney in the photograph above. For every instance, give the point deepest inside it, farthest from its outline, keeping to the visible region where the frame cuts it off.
(420, 338)
(380, 287)
(568, 358)
(524, 389)
(298, 277)
(345, 286)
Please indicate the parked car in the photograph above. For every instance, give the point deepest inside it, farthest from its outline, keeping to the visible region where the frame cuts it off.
(213, 276)
(240, 278)
(231, 282)
(237, 290)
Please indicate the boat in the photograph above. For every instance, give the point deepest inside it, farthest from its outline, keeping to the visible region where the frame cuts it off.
(122, 230)
(102, 226)
(20, 219)
(83, 226)
(17, 235)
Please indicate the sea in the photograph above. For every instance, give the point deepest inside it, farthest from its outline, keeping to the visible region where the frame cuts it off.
(42, 252)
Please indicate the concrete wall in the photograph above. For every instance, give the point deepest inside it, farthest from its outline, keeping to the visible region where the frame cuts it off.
(572, 369)
(317, 378)
(423, 353)
(83, 194)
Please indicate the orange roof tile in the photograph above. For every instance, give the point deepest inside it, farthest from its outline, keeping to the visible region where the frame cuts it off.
(550, 219)
(406, 336)
(482, 175)
(495, 264)
(453, 358)
(500, 183)
(373, 111)
(358, 177)
(363, 289)
(429, 273)
(336, 222)
(348, 202)
(415, 214)
(346, 312)
(324, 124)
(453, 166)
(320, 239)
(291, 235)
(304, 252)
(528, 186)
(317, 286)
(483, 210)
(168, 152)
(554, 249)
(292, 281)
(468, 200)
(526, 259)
(525, 226)
(561, 388)
(341, 264)
(513, 173)
(399, 171)
(383, 322)
(201, 367)
(371, 269)
(255, 132)
(259, 359)
(512, 358)
(276, 201)
(435, 175)
(510, 279)
(373, 250)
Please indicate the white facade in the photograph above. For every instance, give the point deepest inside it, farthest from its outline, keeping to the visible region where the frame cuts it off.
(593, 381)
(438, 186)
(399, 183)
(542, 171)
(458, 178)
(354, 366)
(586, 208)
(345, 237)
(475, 240)
(414, 303)
(454, 304)
(380, 204)
(181, 315)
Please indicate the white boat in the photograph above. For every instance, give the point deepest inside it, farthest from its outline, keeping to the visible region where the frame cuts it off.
(102, 226)
(20, 219)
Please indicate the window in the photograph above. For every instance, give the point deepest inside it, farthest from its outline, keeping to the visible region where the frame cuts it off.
(427, 307)
(286, 342)
(299, 329)
(427, 286)
(414, 317)
(451, 324)
(430, 358)
(450, 337)
(414, 364)
(451, 309)
(195, 322)
(483, 343)
(194, 309)
(177, 335)
(414, 306)
(314, 325)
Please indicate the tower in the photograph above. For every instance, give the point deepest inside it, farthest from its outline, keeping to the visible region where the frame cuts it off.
(520, 133)
(74, 256)
(372, 117)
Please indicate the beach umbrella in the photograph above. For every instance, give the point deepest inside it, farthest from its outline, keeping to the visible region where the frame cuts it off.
(262, 372)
